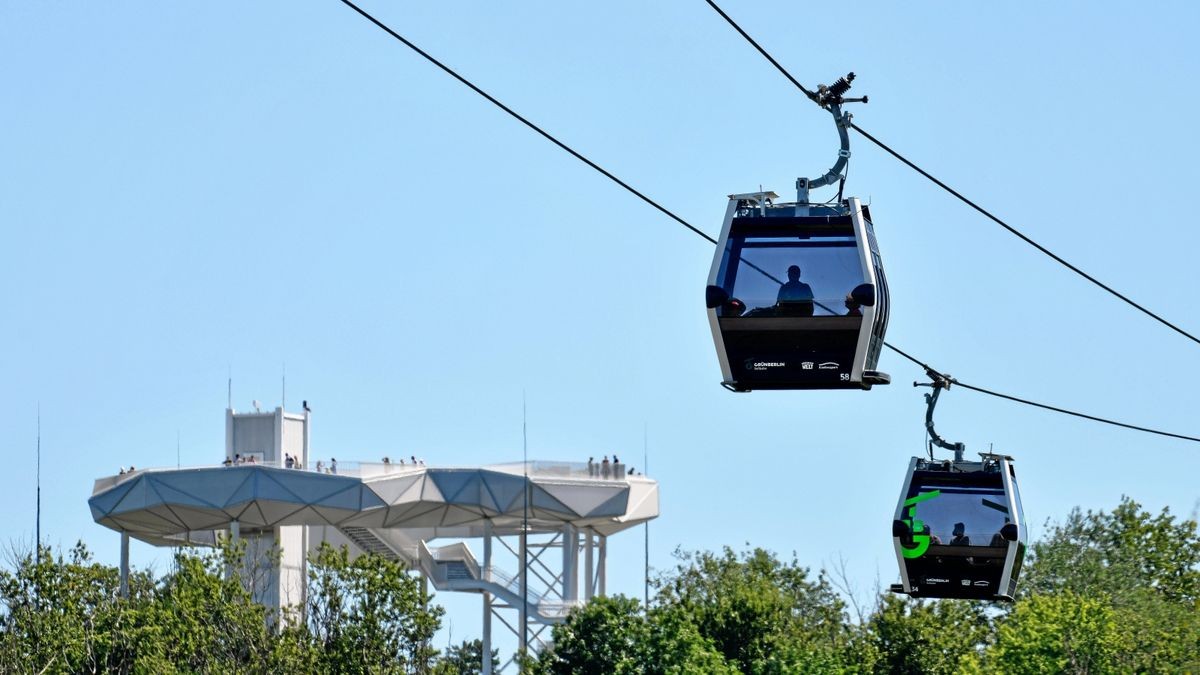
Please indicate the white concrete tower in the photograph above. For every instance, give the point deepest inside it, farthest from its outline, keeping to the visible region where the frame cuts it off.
(268, 438)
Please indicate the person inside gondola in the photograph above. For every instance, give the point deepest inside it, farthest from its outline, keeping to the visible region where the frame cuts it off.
(795, 297)
(853, 308)
(998, 540)
(960, 537)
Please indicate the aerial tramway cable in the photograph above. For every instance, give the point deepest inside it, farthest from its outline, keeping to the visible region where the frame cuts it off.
(987, 214)
(711, 240)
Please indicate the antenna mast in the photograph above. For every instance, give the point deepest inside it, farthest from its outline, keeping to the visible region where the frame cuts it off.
(524, 531)
(646, 467)
(38, 527)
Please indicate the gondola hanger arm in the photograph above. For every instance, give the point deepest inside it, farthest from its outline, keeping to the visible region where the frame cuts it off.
(939, 382)
(831, 99)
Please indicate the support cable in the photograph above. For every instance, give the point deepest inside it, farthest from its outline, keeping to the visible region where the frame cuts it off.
(515, 115)
(710, 239)
(987, 214)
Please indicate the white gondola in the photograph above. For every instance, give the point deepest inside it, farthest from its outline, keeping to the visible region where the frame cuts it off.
(958, 530)
(796, 297)
(796, 294)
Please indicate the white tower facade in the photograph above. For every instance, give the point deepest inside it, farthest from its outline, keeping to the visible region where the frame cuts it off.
(268, 438)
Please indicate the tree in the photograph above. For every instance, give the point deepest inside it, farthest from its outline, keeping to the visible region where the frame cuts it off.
(65, 615)
(464, 659)
(761, 614)
(369, 614)
(1059, 633)
(915, 636)
(202, 619)
(1117, 553)
(675, 646)
(62, 614)
(1145, 567)
(608, 636)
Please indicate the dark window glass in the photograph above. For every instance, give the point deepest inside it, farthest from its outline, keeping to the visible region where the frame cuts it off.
(981, 512)
(830, 268)
(1020, 508)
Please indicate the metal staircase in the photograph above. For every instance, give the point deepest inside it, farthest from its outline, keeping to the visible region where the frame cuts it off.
(454, 568)
(366, 539)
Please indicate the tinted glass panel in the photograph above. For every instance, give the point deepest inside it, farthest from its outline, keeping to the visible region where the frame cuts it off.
(962, 516)
(1017, 498)
(790, 276)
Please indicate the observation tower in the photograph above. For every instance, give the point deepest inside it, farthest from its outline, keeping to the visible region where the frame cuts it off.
(515, 513)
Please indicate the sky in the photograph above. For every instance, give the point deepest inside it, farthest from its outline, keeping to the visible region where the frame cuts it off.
(192, 192)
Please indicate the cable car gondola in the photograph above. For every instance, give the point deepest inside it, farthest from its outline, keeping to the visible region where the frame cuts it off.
(796, 295)
(958, 530)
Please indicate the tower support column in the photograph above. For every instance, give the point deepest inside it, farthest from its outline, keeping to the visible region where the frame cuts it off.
(124, 564)
(603, 560)
(589, 564)
(570, 551)
(487, 599)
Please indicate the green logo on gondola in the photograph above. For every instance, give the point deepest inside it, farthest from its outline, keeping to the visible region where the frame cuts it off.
(920, 541)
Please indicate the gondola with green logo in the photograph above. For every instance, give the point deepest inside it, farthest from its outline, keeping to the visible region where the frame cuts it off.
(958, 530)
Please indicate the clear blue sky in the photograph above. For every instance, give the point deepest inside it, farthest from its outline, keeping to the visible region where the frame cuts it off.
(192, 188)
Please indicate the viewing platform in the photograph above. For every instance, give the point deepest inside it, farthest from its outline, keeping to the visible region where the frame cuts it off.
(172, 506)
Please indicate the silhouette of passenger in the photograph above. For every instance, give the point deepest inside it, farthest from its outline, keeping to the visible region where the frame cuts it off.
(852, 306)
(960, 536)
(795, 297)
(998, 540)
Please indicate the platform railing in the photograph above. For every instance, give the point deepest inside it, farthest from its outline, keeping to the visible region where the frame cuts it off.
(368, 470)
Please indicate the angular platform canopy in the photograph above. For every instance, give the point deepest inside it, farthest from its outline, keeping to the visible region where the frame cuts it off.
(164, 506)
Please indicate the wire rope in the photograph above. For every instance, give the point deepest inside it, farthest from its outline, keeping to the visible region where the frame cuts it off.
(986, 213)
(708, 237)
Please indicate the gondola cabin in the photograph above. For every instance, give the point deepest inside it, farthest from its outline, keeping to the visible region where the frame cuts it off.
(958, 529)
(796, 296)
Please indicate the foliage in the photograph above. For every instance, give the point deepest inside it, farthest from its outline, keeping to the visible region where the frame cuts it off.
(1102, 592)
(65, 615)
(714, 613)
(607, 636)
(464, 659)
(1120, 553)
(368, 616)
(1144, 567)
(912, 636)
(761, 614)
(1058, 633)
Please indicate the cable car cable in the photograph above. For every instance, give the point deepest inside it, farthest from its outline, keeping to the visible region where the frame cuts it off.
(544, 134)
(1064, 411)
(713, 241)
(988, 214)
(1025, 238)
(934, 374)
